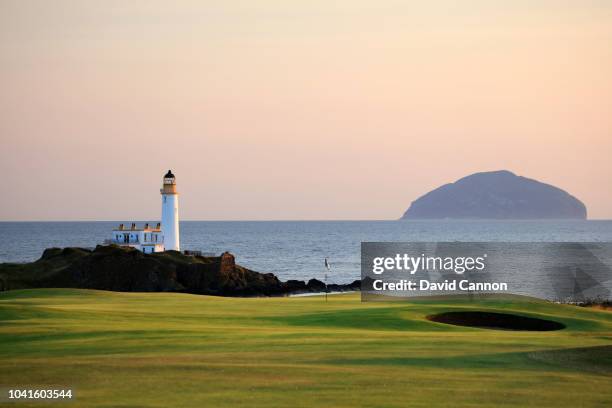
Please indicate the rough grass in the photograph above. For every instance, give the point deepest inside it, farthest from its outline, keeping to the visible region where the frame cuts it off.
(160, 350)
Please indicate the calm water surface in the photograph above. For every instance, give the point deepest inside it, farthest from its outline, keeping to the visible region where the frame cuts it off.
(296, 249)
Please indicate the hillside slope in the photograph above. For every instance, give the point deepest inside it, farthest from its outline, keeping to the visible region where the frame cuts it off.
(496, 195)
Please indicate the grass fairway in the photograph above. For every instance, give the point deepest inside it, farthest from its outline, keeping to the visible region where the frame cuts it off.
(176, 350)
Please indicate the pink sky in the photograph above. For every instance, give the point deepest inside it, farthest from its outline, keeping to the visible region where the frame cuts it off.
(296, 110)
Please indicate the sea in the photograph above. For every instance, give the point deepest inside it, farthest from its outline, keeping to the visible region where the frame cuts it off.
(297, 249)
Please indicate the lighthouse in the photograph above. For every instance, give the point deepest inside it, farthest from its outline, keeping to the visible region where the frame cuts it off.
(159, 238)
(170, 218)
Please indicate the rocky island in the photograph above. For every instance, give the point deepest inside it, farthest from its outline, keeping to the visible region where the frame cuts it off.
(126, 269)
(496, 195)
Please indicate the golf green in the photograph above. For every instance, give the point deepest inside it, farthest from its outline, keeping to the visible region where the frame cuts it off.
(177, 350)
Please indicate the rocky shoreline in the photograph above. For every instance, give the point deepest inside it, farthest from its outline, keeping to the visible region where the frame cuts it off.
(123, 269)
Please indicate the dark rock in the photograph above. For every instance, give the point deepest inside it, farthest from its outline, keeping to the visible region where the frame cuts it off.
(295, 286)
(315, 285)
(353, 286)
(366, 284)
(129, 270)
(496, 195)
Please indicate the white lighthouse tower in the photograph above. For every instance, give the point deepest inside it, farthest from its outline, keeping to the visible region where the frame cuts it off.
(170, 218)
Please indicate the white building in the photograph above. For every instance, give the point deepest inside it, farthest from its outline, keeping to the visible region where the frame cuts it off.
(144, 239)
(165, 236)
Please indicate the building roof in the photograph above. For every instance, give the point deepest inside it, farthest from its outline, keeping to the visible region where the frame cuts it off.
(137, 229)
(169, 174)
(134, 228)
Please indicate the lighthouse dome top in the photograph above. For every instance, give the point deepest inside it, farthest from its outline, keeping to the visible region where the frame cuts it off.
(169, 185)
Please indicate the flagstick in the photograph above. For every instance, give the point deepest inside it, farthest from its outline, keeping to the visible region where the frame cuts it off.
(327, 268)
(325, 287)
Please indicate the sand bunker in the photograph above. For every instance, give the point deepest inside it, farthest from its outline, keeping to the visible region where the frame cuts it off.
(499, 321)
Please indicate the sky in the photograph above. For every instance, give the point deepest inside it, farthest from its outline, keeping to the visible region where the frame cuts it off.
(300, 110)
